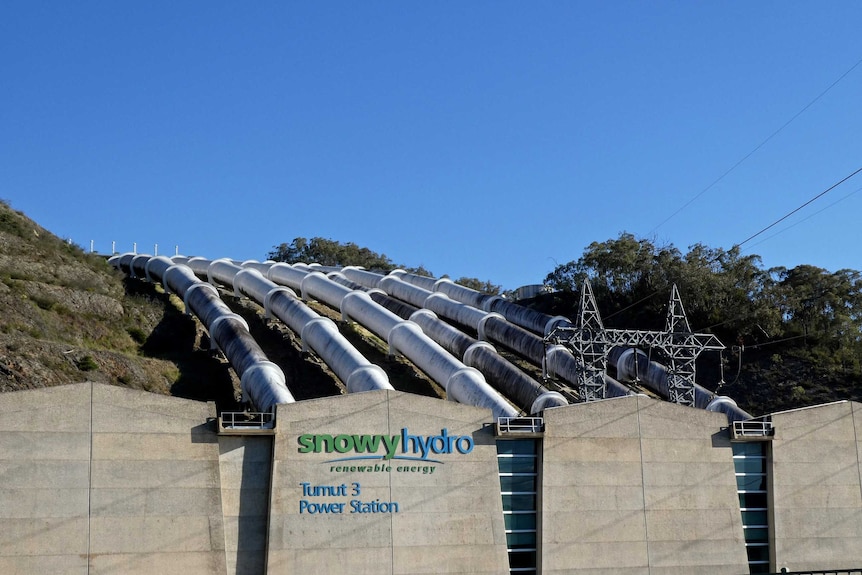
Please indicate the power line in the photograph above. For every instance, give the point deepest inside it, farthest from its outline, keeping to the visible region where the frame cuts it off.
(760, 145)
(781, 219)
(806, 218)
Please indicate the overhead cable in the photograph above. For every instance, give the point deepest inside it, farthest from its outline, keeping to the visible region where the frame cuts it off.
(760, 145)
(787, 215)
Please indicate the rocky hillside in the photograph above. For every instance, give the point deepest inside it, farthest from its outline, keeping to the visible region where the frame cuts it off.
(70, 317)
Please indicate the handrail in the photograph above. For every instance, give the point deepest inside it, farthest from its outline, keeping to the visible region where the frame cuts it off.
(520, 425)
(753, 429)
(247, 420)
(856, 571)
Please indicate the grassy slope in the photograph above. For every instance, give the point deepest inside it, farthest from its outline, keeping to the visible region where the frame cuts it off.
(70, 317)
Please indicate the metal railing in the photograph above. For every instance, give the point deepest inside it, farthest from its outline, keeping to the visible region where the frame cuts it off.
(520, 425)
(753, 429)
(857, 571)
(247, 420)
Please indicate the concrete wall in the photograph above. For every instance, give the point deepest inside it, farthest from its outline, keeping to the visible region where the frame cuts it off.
(44, 480)
(99, 479)
(637, 486)
(817, 487)
(96, 479)
(449, 520)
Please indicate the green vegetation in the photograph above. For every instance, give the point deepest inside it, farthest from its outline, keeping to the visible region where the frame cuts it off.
(799, 330)
(794, 336)
(331, 253)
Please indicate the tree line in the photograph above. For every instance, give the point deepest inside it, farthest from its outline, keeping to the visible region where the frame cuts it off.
(328, 252)
(806, 320)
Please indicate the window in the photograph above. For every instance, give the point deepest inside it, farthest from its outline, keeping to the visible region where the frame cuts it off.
(749, 462)
(517, 463)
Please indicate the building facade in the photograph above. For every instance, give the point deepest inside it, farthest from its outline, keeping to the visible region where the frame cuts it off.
(100, 479)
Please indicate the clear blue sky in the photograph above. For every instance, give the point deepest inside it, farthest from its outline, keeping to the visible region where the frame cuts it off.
(486, 139)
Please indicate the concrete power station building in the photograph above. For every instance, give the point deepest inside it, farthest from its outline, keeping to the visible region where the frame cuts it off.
(97, 479)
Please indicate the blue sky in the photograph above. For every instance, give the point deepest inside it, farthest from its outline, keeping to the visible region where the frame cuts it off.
(488, 139)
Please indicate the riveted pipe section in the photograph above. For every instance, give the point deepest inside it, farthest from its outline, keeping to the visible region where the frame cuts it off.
(317, 333)
(261, 382)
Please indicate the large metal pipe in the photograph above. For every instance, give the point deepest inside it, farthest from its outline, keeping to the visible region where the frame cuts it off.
(634, 365)
(537, 322)
(462, 383)
(262, 382)
(489, 326)
(654, 375)
(520, 388)
(317, 333)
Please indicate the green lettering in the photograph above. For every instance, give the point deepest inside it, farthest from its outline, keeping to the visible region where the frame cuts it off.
(391, 443)
(306, 442)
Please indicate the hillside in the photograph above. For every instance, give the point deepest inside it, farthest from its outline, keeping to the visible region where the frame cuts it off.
(70, 317)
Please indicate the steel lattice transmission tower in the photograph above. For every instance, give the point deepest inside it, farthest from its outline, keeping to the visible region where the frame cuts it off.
(589, 341)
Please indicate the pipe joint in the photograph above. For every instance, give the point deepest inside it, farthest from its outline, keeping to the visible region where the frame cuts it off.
(219, 322)
(267, 299)
(324, 322)
(441, 281)
(200, 285)
(423, 313)
(470, 353)
(367, 378)
(210, 267)
(395, 332)
(488, 303)
(237, 279)
(546, 400)
(484, 320)
(553, 323)
(279, 265)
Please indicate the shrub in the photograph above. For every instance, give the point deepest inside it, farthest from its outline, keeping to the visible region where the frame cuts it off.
(87, 363)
